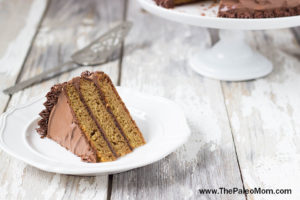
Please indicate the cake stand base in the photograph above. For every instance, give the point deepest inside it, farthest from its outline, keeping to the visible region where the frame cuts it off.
(231, 59)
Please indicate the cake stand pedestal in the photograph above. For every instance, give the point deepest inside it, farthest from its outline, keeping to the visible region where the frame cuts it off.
(230, 59)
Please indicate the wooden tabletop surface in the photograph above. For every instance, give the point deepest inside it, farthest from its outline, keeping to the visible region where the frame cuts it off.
(245, 135)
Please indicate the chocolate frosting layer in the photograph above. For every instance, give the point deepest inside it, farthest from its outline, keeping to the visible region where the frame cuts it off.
(58, 123)
(52, 98)
(63, 129)
(258, 8)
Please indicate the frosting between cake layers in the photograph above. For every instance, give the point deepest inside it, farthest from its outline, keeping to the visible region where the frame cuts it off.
(91, 76)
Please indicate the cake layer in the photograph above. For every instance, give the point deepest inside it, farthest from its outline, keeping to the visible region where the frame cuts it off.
(258, 8)
(94, 134)
(118, 109)
(105, 120)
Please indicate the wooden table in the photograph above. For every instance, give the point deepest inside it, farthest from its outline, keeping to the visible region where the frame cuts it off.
(244, 134)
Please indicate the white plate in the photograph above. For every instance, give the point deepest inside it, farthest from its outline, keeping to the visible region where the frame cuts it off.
(161, 121)
(205, 14)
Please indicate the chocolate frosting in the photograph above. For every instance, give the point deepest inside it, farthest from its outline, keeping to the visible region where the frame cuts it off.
(52, 98)
(58, 123)
(63, 129)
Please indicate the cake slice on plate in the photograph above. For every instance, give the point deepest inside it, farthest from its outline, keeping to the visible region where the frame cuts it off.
(87, 116)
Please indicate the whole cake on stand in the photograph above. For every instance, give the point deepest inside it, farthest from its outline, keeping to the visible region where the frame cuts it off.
(231, 58)
(246, 8)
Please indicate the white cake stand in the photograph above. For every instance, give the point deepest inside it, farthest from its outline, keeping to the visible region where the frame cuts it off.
(230, 59)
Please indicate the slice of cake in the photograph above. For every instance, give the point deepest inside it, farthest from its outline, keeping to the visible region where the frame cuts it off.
(87, 116)
(258, 8)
